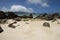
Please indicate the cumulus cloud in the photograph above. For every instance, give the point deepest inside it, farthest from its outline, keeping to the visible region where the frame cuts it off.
(41, 2)
(17, 8)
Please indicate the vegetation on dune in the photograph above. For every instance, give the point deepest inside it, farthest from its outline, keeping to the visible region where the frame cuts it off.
(3, 15)
(30, 16)
(25, 16)
(12, 15)
(17, 19)
(49, 17)
(45, 16)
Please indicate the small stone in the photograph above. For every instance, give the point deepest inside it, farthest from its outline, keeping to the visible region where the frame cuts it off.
(27, 23)
(14, 22)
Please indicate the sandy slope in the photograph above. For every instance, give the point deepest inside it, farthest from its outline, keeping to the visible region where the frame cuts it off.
(32, 31)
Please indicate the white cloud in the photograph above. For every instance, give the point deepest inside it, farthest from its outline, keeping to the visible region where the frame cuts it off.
(45, 5)
(4, 9)
(17, 8)
(41, 2)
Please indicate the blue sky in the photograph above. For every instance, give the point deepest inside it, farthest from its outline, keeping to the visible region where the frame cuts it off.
(39, 6)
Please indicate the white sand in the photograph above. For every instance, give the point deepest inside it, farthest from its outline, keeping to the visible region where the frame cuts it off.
(32, 31)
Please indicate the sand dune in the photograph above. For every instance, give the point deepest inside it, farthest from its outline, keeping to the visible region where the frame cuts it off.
(31, 30)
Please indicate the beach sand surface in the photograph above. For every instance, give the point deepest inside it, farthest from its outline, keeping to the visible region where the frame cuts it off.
(30, 30)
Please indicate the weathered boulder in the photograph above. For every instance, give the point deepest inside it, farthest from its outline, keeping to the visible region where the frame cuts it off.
(11, 25)
(45, 24)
